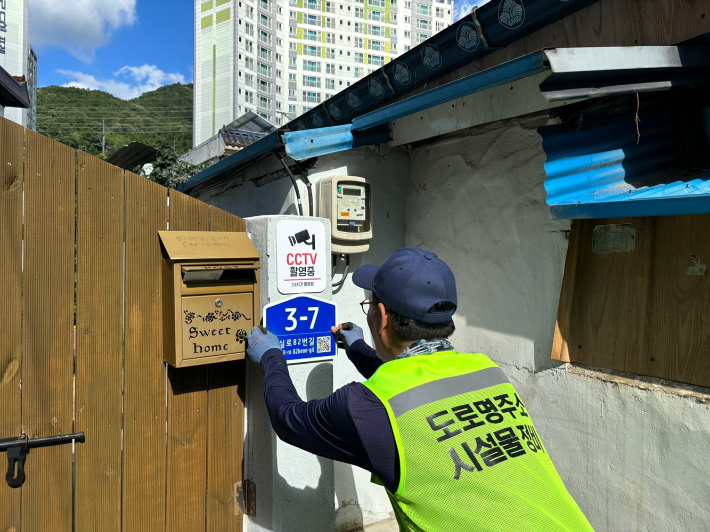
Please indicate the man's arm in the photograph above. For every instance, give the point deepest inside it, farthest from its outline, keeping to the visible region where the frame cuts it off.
(364, 358)
(322, 426)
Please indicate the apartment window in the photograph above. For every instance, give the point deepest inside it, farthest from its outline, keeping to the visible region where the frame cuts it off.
(264, 20)
(423, 24)
(406, 34)
(358, 27)
(357, 72)
(311, 35)
(424, 10)
(377, 60)
(406, 19)
(292, 93)
(292, 14)
(311, 97)
(249, 28)
(378, 16)
(393, 31)
(359, 58)
(249, 96)
(264, 70)
(376, 3)
(279, 58)
(359, 43)
(292, 46)
(311, 81)
(249, 46)
(311, 50)
(279, 74)
(311, 66)
(264, 37)
(264, 53)
(264, 116)
(439, 12)
(264, 4)
(292, 108)
(278, 90)
(292, 62)
(378, 46)
(439, 26)
(306, 109)
(329, 23)
(313, 20)
(406, 47)
(249, 80)
(292, 30)
(264, 86)
(249, 63)
(378, 31)
(393, 16)
(330, 38)
(329, 7)
(329, 69)
(393, 48)
(312, 4)
(407, 5)
(423, 37)
(330, 84)
(291, 77)
(330, 53)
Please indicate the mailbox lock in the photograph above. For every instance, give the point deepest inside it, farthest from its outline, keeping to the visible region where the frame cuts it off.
(218, 303)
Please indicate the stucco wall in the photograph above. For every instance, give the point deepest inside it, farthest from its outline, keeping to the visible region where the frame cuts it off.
(634, 459)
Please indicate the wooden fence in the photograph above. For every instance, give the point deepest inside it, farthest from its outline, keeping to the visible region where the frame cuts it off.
(79, 251)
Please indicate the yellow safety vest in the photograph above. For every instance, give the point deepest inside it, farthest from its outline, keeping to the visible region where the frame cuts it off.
(470, 457)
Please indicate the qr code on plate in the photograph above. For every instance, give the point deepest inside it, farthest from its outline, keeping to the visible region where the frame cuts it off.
(323, 344)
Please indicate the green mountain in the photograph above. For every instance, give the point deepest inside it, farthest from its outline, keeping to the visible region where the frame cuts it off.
(161, 118)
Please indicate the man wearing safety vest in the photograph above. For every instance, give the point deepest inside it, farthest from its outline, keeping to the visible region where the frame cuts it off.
(444, 432)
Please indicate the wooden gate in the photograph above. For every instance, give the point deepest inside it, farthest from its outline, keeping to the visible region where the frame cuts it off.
(81, 350)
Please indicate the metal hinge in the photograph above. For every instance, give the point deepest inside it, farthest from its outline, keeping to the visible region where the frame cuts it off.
(245, 498)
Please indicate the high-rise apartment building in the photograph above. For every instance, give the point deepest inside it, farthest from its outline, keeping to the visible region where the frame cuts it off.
(18, 58)
(281, 58)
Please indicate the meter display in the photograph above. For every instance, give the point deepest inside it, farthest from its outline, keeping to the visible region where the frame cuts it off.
(351, 205)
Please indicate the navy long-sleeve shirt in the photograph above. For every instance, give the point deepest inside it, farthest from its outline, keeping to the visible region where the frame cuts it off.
(350, 425)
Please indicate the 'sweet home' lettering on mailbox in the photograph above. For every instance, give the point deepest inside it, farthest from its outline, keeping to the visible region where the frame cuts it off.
(215, 332)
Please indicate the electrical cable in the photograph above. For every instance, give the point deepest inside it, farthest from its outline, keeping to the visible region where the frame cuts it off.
(345, 272)
(293, 180)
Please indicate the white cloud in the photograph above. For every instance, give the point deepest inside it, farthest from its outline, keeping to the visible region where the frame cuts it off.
(79, 26)
(129, 82)
(463, 8)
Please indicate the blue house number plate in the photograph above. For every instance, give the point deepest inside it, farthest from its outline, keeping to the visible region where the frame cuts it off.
(303, 326)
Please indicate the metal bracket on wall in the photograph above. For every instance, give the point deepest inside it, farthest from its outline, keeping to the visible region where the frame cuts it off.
(245, 498)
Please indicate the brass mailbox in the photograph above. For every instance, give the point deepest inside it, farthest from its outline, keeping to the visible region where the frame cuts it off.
(210, 294)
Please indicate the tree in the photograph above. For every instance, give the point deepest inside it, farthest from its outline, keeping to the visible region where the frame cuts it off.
(169, 170)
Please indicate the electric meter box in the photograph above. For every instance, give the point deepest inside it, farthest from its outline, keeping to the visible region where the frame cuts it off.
(210, 296)
(347, 202)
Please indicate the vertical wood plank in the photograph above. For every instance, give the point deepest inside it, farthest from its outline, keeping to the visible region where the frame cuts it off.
(144, 444)
(99, 349)
(12, 138)
(48, 350)
(225, 421)
(187, 409)
(560, 345)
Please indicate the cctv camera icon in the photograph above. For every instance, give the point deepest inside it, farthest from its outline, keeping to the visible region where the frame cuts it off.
(303, 237)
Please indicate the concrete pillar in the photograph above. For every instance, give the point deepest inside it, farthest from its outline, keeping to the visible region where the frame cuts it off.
(294, 489)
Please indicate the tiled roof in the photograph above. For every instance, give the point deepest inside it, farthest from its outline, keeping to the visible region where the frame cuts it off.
(239, 138)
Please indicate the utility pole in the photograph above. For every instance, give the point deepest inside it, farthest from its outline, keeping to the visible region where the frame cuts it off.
(103, 138)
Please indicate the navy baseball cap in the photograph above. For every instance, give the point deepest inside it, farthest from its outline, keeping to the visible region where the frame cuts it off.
(410, 282)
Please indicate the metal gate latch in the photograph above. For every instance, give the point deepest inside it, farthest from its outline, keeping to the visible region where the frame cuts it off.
(18, 448)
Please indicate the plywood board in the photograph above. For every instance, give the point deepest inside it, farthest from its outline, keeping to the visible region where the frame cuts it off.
(644, 311)
(144, 464)
(48, 330)
(99, 350)
(187, 408)
(12, 138)
(225, 404)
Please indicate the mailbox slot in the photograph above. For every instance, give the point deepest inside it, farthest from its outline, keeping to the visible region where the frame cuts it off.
(211, 284)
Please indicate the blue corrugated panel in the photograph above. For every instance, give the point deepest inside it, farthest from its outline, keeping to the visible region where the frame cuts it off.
(302, 145)
(601, 168)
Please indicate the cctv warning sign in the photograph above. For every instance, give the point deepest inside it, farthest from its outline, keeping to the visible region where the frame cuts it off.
(301, 256)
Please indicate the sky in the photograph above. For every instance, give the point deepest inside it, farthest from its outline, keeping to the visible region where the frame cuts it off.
(124, 47)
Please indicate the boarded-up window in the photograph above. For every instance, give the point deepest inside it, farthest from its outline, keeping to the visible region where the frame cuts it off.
(636, 297)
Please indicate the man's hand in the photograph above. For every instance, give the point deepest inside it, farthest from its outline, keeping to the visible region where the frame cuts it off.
(259, 341)
(347, 334)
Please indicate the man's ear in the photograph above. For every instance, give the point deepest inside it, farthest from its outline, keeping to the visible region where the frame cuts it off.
(384, 318)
